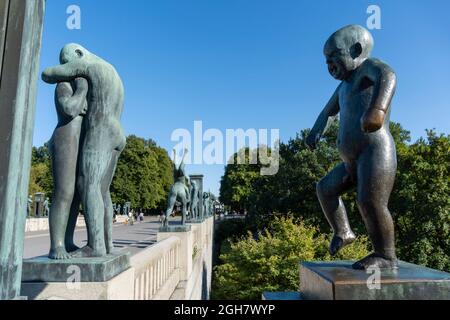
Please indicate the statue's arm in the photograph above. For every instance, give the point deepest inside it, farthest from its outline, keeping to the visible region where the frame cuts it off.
(385, 83)
(65, 72)
(324, 120)
(69, 103)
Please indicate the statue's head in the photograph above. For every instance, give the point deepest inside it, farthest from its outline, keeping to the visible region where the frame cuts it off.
(347, 49)
(72, 51)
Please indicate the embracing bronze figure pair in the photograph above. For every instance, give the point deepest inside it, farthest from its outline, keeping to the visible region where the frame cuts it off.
(85, 148)
(89, 139)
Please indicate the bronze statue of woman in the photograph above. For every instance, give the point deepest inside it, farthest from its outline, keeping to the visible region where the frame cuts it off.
(71, 106)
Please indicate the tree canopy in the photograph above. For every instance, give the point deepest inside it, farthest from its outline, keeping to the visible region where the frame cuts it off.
(143, 176)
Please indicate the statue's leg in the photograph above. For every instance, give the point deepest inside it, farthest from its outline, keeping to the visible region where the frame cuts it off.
(64, 164)
(108, 202)
(170, 204)
(94, 165)
(183, 210)
(72, 223)
(329, 190)
(376, 176)
(108, 222)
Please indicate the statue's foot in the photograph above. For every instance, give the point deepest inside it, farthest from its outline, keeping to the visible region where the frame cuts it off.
(88, 252)
(59, 253)
(110, 247)
(338, 242)
(71, 247)
(376, 260)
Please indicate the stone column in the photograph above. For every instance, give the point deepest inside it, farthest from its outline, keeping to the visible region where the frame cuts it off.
(20, 41)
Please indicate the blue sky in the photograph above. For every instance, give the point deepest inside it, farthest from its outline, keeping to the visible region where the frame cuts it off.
(247, 63)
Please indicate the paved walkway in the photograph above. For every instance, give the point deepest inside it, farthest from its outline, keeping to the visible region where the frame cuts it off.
(131, 238)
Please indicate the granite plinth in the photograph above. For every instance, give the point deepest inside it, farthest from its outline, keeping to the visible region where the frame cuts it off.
(339, 281)
(43, 269)
(281, 296)
(196, 221)
(175, 228)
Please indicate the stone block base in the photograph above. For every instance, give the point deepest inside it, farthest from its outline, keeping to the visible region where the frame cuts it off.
(338, 281)
(175, 228)
(43, 269)
(118, 288)
(281, 296)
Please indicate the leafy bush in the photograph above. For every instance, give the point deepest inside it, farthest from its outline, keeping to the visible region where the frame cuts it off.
(269, 261)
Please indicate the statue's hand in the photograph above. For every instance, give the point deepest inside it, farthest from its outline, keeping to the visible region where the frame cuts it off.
(312, 140)
(372, 120)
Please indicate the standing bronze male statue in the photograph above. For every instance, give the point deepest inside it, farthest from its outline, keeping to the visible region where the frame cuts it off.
(102, 144)
(365, 144)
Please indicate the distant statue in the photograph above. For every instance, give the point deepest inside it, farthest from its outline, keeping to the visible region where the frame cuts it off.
(195, 200)
(206, 204)
(46, 207)
(179, 191)
(365, 144)
(102, 141)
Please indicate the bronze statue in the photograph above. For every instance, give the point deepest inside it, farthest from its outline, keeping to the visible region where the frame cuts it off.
(365, 144)
(179, 191)
(195, 200)
(71, 107)
(102, 143)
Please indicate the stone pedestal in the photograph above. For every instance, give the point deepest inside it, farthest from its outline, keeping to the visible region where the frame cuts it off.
(105, 278)
(175, 228)
(338, 281)
(121, 287)
(281, 296)
(43, 269)
(196, 221)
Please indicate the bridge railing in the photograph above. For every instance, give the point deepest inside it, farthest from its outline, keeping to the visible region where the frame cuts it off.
(157, 270)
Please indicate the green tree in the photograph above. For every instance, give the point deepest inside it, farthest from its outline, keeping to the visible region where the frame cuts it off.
(41, 179)
(236, 185)
(269, 261)
(420, 203)
(143, 175)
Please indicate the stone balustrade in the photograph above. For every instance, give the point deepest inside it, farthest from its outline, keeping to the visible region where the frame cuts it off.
(177, 267)
(157, 270)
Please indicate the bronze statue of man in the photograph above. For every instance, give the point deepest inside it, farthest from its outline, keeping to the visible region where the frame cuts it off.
(365, 144)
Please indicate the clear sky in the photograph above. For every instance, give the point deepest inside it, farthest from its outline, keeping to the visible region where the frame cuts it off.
(247, 63)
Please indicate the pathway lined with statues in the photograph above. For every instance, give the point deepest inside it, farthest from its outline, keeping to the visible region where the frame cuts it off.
(132, 238)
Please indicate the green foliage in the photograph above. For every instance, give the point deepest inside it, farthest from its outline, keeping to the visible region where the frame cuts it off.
(143, 175)
(269, 261)
(237, 183)
(420, 203)
(41, 179)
